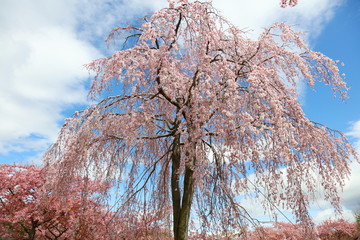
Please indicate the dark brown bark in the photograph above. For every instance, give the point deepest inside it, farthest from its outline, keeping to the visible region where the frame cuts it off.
(32, 231)
(175, 190)
(186, 204)
(182, 204)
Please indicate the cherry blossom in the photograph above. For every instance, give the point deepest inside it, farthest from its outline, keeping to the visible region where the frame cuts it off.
(29, 212)
(329, 229)
(338, 229)
(285, 3)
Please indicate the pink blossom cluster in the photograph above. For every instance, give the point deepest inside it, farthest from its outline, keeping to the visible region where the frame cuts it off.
(285, 3)
(28, 211)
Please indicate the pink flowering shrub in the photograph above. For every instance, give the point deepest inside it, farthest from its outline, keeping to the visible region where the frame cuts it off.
(280, 231)
(337, 229)
(328, 230)
(27, 211)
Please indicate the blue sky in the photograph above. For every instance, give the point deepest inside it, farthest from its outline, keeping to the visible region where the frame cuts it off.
(44, 44)
(339, 40)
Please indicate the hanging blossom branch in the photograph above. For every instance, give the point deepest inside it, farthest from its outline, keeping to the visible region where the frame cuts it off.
(291, 3)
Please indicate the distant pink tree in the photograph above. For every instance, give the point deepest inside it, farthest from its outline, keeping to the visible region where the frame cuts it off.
(337, 230)
(279, 231)
(195, 108)
(328, 230)
(29, 212)
(260, 233)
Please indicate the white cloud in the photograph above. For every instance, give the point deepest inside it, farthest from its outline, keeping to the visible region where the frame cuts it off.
(350, 199)
(320, 209)
(351, 194)
(97, 18)
(329, 214)
(44, 46)
(355, 133)
(308, 15)
(41, 73)
(355, 130)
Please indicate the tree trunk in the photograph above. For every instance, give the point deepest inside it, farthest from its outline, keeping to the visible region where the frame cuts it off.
(181, 206)
(186, 204)
(175, 190)
(32, 231)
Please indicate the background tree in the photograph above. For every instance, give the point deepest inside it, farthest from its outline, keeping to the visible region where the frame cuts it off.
(195, 108)
(279, 231)
(327, 230)
(337, 229)
(29, 212)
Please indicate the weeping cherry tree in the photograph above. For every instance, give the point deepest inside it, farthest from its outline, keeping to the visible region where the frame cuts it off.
(196, 115)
